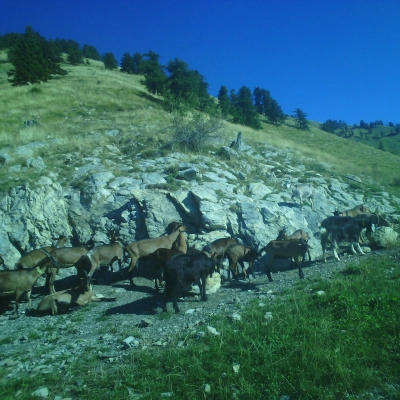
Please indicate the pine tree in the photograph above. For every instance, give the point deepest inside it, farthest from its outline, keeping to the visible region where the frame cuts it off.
(154, 75)
(109, 61)
(127, 63)
(300, 119)
(224, 101)
(74, 53)
(137, 63)
(90, 52)
(245, 112)
(34, 59)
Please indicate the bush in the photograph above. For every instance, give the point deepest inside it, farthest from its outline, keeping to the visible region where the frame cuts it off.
(192, 131)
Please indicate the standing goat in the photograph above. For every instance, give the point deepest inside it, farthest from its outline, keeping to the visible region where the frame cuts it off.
(145, 247)
(34, 257)
(218, 248)
(298, 234)
(302, 191)
(20, 281)
(65, 257)
(239, 254)
(295, 248)
(105, 255)
(182, 270)
(338, 229)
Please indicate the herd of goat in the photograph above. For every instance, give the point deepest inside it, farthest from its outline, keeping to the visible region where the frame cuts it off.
(174, 266)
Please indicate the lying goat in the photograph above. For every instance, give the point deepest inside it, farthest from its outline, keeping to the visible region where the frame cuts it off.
(145, 247)
(295, 248)
(17, 282)
(185, 269)
(239, 254)
(65, 299)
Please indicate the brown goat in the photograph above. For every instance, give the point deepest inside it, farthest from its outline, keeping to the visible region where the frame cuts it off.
(34, 257)
(239, 253)
(353, 212)
(20, 281)
(68, 298)
(298, 234)
(180, 242)
(295, 248)
(145, 247)
(218, 248)
(104, 256)
(65, 257)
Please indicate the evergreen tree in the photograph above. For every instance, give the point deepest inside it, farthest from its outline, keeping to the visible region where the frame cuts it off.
(74, 52)
(275, 113)
(9, 40)
(33, 58)
(127, 63)
(137, 63)
(90, 52)
(245, 112)
(109, 61)
(300, 119)
(154, 75)
(224, 101)
(258, 100)
(186, 85)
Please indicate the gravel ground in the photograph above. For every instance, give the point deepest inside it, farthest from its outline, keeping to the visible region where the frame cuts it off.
(32, 344)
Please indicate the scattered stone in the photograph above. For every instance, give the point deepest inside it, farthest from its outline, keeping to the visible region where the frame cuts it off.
(41, 392)
(212, 331)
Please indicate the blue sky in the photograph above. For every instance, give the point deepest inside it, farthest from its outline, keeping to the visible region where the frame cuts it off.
(334, 59)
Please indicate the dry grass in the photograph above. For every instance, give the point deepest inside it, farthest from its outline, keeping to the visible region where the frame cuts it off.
(91, 99)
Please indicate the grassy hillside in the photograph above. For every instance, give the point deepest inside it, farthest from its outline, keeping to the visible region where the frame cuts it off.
(91, 100)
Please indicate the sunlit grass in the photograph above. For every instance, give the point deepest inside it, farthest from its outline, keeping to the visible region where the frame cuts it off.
(336, 339)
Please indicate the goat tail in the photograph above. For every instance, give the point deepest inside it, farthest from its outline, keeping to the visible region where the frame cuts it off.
(51, 258)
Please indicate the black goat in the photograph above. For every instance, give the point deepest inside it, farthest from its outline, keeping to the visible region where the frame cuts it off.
(185, 269)
(338, 229)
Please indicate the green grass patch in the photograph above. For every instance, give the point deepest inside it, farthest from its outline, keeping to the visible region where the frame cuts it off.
(331, 339)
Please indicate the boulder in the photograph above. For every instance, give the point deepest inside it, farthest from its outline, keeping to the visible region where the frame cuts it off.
(384, 236)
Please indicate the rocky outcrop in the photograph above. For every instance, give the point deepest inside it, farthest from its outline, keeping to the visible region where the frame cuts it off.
(210, 198)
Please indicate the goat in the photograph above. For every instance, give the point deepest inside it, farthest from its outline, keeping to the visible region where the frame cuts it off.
(160, 258)
(337, 229)
(180, 242)
(353, 212)
(185, 269)
(20, 281)
(295, 248)
(105, 255)
(66, 257)
(145, 247)
(238, 254)
(68, 298)
(218, 247)
(34, 257)
(302, 191)
(298, 234)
